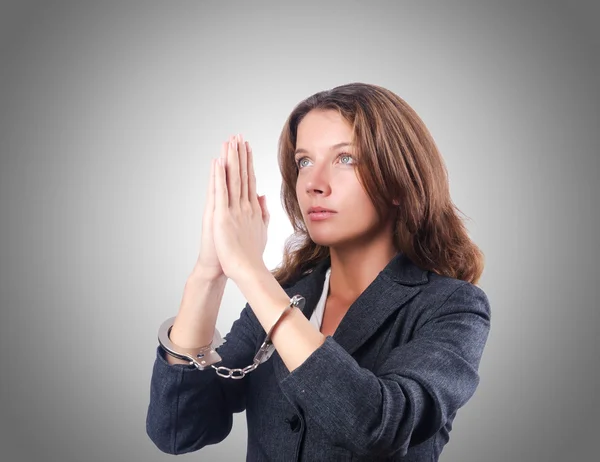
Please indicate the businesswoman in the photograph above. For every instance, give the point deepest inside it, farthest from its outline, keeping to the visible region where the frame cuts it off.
(365, 342)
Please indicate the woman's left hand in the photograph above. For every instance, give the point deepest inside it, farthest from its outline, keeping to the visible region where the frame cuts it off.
(241, 218)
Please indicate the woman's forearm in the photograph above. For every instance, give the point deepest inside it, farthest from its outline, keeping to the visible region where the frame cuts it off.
(195, 323)
(294, 338)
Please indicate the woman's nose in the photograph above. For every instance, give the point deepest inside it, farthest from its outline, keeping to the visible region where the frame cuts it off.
(318, 180)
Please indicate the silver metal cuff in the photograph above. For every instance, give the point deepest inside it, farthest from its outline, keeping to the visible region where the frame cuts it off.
(200, 357)
(206, 356)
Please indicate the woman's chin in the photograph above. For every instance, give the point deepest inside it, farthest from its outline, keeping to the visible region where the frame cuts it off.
(320, 239)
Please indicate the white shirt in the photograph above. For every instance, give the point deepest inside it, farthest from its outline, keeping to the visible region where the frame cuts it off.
(317, 316)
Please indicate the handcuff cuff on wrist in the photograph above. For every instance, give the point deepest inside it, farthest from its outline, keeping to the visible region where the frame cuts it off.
(207, 356)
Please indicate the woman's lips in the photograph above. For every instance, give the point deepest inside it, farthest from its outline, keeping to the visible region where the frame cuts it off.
(318, 216)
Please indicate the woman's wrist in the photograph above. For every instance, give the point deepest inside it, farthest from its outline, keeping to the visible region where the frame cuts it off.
(200, 275)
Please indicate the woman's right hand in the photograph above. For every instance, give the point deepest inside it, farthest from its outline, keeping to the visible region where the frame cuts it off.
(208, 264)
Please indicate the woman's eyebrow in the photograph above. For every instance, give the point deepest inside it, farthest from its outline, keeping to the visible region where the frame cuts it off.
(335, 146)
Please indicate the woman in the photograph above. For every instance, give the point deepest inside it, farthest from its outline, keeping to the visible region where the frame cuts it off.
(385, 349)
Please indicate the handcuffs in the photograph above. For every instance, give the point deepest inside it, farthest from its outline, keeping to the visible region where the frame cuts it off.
(207, 356)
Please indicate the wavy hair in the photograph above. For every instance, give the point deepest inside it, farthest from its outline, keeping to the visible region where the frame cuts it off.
(398, 160)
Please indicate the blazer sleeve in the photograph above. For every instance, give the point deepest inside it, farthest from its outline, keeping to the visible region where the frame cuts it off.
(190, 408)
(411, 395)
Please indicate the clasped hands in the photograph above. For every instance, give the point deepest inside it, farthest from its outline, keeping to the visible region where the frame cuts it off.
(241, 218)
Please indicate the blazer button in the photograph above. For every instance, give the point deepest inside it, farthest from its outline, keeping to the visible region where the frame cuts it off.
(294, 423)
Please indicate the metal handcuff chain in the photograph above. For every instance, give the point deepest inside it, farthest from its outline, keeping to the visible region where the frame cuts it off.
(207, 356)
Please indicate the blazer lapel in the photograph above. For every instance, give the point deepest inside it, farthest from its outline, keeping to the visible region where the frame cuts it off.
(369, 311)
(395, 285)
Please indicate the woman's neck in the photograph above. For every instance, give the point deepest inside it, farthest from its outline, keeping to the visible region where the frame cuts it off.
(353, 271)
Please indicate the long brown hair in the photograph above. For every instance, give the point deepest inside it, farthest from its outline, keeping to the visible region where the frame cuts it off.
(398, 160)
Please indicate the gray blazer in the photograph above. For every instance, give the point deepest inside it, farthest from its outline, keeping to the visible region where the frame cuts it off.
(385, 387)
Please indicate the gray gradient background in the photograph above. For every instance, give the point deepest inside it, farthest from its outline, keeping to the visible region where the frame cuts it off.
(110, 114)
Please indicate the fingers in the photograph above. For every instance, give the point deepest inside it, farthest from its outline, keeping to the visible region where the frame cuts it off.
(233, 173)
(266, 216)
(240, 179)
(252, 197)
(220, 190)
(243, 158)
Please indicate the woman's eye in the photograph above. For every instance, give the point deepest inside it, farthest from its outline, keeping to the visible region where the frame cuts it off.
(343, 154)
(346, 155)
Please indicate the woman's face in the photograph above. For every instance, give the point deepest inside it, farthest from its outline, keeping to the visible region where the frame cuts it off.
(327, 177)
